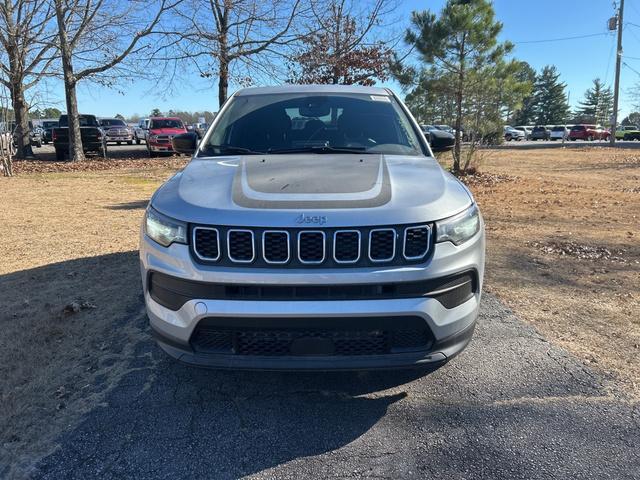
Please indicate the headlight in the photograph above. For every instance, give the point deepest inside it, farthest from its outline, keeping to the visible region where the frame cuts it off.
(459, 228)
(153, 138)
(164, 230)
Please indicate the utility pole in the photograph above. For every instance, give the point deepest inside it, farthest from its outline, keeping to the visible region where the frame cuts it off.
(616, 88)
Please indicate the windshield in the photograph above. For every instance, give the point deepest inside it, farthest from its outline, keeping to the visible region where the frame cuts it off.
(165, 123)
(558, 129)
(112, 122)
(298, 122)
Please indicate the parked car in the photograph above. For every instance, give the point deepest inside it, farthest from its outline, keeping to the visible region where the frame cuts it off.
(141, 131)
(446, 140)
(339, 245)
(47, 128)
(559, 132)
(160, 132)
(526, 130)
(540, 133)
(445, 128)
(588, 133)
(116, 131)
(511, 133)
(628, 132)
(93, 139)
(35, 133)
(200, 129)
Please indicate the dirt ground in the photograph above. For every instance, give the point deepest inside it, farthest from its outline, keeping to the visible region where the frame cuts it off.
(563, 253)
(563, 249)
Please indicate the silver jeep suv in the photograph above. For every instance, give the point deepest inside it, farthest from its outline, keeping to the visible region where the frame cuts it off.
(313, 229)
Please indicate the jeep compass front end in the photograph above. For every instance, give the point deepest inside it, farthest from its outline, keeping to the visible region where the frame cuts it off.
(313, 229)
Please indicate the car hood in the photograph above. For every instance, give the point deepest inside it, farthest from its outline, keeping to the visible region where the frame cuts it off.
(167, 131)
(321, 189)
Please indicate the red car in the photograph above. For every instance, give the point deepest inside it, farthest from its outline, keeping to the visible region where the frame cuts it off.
(589, 133)
(161, 131)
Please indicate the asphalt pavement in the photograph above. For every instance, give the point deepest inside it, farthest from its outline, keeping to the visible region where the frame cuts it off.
(510, 406)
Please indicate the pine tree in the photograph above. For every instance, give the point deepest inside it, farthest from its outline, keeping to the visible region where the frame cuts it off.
(597, 106)
(551, 105)
(462, 39)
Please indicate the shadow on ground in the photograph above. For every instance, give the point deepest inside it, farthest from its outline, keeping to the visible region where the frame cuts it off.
(511, 406)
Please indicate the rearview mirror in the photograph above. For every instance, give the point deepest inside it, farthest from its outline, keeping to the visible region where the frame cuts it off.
(185, 143)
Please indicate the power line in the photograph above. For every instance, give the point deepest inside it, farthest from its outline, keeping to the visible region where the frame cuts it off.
(564, 38)
(630, 68)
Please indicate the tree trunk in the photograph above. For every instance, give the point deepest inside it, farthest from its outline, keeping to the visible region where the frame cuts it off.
(76, 153)
(21, 114)
(223, 82)
(223, 79)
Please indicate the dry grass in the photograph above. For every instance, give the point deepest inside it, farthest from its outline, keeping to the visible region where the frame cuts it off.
(65, 237)
(564, 248)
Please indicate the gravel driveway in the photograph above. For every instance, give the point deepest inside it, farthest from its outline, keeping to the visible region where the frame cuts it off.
(511, 406)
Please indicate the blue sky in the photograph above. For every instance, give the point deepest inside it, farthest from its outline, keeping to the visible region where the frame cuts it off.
(579, 61)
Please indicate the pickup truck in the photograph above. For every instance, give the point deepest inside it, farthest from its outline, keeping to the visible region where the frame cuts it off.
(141, 130)
(628, 132)
(91, 134)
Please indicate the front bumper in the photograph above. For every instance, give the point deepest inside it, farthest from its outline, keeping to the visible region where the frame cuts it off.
(450, 328)
(160, 147)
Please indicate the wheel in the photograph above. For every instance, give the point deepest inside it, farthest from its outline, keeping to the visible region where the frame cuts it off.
(150, 152)
(130, 142)
(137, 140)
(626, 137)
(590, 138)
(118, 143)
(60, 154)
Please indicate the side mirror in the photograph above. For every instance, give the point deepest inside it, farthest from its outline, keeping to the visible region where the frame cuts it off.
(185, 143)
(441, 141)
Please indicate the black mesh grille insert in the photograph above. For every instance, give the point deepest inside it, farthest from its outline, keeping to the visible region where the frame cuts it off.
(313, 341)
(206, 243)
(276, 247)
(416, 242)
(382, 245)
(311, 247)
(240, 245)
(347, 246)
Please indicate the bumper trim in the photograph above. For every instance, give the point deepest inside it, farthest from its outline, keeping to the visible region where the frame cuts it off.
(441, 352)
(173, 292)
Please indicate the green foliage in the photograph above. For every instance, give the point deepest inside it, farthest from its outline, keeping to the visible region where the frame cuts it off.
(597, 106)
(155, 113)
(632, 119)
(550, 100)
(464, 61)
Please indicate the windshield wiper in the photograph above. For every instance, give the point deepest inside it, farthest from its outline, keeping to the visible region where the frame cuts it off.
(318, 149)
(232, 149)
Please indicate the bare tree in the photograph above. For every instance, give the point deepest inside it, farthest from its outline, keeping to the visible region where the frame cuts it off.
(251, 34)
(347, 44)
(28, 52)
(95, 38)
(6, 140)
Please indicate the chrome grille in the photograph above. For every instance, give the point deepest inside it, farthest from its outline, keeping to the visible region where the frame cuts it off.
(240, 246)
(346, 246)
(311, 246)
(321, 248)
(275, 246)
(416, 242)
(382, 244)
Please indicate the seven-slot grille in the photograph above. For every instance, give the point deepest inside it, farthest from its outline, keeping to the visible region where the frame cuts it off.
(264, 247)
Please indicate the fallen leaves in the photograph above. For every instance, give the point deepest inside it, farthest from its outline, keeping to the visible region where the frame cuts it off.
(580, 251)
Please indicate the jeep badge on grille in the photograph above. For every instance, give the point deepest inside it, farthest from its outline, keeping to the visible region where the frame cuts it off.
(315, 219)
